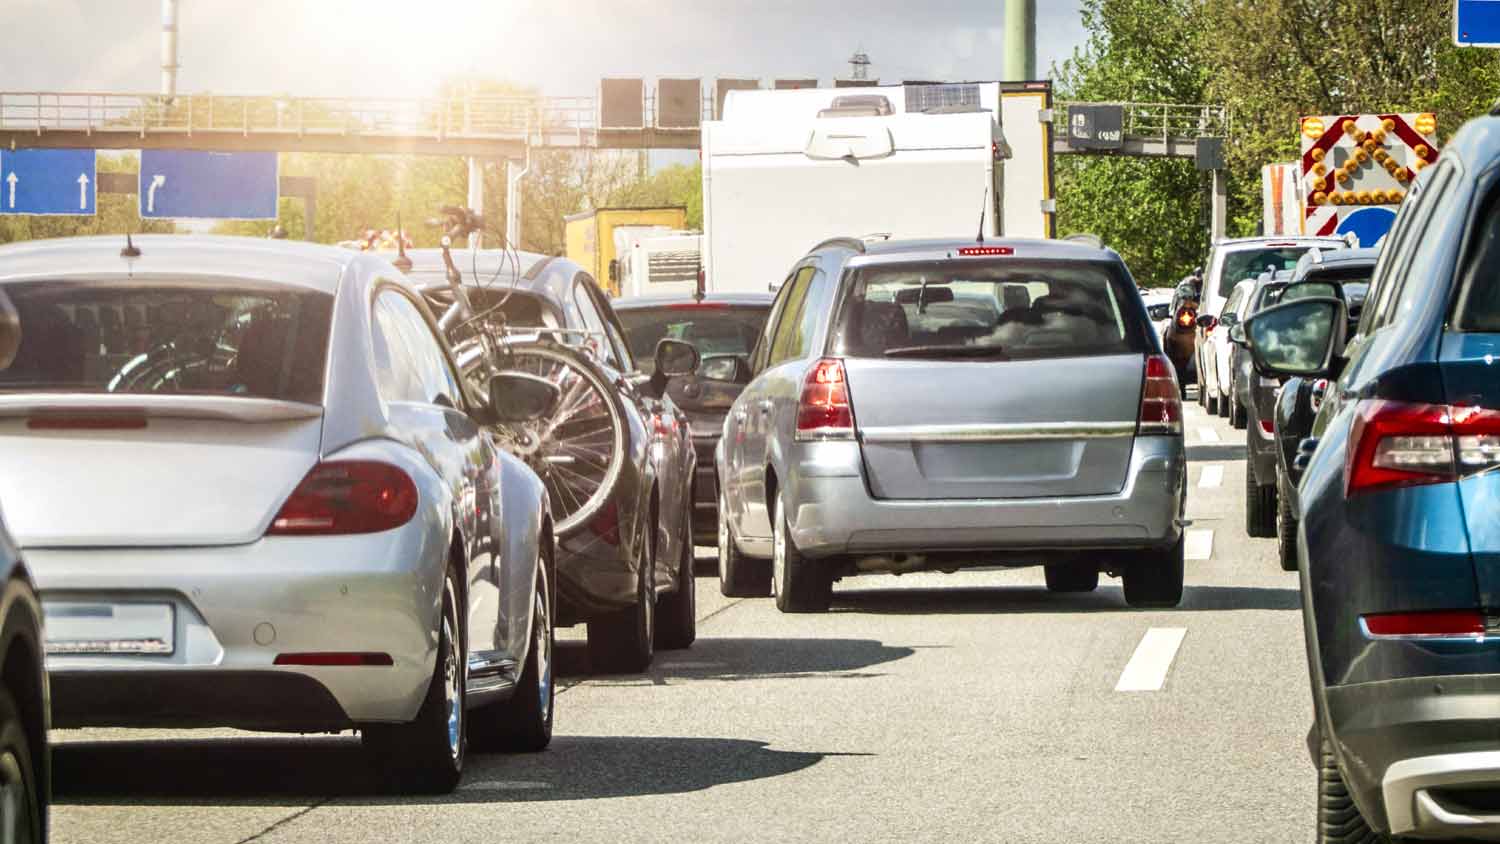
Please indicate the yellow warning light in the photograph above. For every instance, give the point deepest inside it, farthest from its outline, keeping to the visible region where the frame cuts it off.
(1425, 124)
(1342, 176)
(1361, 156)
(1403, 175)
(1320, 169)
(1369, 145)
(1380, 156)
(1351, 129)
(1388, 125)
(1400, 195)
(1319, 154)
(1336, 199)
(1379, 136)
(1319, 197)
(1366, 197)
(1423, 151)
(1418, 165)
(1312, 127)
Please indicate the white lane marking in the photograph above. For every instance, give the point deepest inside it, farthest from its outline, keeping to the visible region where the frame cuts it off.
(1198, 544)
(504, 785)
(1148, 666)
(1208, 435)
(1211, 476)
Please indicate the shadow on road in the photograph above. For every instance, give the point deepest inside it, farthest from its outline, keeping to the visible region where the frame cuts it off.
(1023, 599)
(295, 771)
(1216, 452)
(750, 659)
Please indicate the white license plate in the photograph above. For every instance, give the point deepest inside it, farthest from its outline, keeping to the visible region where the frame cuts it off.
(94, 627)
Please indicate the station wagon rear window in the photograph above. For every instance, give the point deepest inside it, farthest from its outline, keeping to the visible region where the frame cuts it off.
(180, 337)
(991, 310)
(1250, 263)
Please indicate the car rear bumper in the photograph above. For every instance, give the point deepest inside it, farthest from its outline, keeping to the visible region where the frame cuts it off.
(1422, 755)
(832, 513)
(234, 610)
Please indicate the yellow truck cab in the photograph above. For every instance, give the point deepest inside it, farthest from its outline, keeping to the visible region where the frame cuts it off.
(593, 237)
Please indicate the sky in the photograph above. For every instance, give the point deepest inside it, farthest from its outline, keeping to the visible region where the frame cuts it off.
(389, 48)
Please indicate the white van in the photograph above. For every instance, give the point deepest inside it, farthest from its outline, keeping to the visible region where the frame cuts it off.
(660, 264)
(786, 169)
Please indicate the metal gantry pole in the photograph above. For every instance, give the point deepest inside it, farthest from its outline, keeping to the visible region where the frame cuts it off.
(1020, 40)
(169, 50)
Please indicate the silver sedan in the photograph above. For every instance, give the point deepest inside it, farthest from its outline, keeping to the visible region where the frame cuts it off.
(255, 493)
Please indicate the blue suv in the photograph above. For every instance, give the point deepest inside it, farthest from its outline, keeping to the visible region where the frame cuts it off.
(1399, 542)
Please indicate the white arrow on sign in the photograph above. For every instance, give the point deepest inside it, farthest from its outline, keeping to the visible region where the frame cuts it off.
(156, 181)
(12, 180)
(83, 191)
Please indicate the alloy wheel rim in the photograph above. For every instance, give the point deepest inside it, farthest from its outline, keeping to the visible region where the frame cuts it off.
(543, 645)
(15, 826)
(451, 691)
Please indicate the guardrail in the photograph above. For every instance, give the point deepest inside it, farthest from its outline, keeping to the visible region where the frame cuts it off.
(1168, 121)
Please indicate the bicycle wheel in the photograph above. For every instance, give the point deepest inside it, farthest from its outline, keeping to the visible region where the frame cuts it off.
(578, 450)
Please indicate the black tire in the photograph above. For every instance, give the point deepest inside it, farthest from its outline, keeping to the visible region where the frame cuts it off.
(20, 787)
(1153, 579)
(522, 723)
(1339, 820)
(1239, 417)
(677, 612)
(624, 641)
(1286, 527)
(1072, 578)
(1223, 407)
(1211, 404)
(800, 584)
(739, 576)
(426, 756)
(1260, 504)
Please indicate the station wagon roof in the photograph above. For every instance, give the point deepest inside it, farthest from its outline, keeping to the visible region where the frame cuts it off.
(286, 262)
(745, 300)
(882, 251)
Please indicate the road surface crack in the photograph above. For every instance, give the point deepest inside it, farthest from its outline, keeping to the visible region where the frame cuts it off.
(284, 821)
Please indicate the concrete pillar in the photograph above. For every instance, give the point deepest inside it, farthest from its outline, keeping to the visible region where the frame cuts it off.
(515, 171)
(1218, 205)
(1020, 40)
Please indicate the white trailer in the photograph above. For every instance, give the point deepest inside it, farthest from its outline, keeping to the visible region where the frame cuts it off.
(661, 264)
(786, 169)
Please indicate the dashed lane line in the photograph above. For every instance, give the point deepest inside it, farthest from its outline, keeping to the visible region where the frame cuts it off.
(1148, 666)
(1211, 476)
(1208, 435)
(1198, 544)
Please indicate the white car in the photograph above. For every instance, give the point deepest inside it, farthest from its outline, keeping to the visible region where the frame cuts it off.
(1216, 347)
(254, 492)
(1159, 307)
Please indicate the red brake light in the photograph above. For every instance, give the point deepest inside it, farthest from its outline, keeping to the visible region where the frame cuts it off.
(1161, 403)
(1268, 426)
(969, 251)
(1404, 444)
(347, 496)
(824, 412)
(126, 421)
(1419, 624)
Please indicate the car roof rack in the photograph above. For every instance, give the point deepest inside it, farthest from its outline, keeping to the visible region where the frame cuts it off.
(853, 243)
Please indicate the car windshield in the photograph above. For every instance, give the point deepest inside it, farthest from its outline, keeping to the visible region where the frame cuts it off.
(182, 337)
(1250, 263)
(970, 308)
(712, 328)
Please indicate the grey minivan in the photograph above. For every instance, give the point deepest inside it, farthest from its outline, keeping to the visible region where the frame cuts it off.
(932, 405)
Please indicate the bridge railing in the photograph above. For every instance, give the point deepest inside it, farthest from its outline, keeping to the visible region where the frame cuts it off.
(1168, 121)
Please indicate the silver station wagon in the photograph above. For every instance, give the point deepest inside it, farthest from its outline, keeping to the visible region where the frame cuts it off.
(932, 405)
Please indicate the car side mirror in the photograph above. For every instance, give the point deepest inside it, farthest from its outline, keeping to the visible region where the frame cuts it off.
(520, 397)
(1205, 322)
(1296, 339)
(1237, 335)
(1228, 320)
(674, 358)
(731, 369)
(10, 331)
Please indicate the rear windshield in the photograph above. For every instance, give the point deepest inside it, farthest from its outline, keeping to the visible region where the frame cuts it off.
(183, 338)
(712, 329)
(988, 309)
(1250, 263)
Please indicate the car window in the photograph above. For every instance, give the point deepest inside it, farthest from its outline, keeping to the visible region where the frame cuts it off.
(1418, 268)
(185, 336)
(1250, 263)
(615, 331)
(410, 363)
(788, 341)
(970, 308)
(598, 338)
(713, 328)
(762, 354)
(1395, 257)
(1479, 300)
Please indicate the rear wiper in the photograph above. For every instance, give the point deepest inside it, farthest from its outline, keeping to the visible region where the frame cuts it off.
(945, 352)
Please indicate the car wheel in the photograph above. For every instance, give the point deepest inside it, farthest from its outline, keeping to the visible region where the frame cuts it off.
(427, 755)
(677, 626)
(739, 576)
(23, 797)
(1239, 417)
(1260, 504)
(1072, 578)
(1223, 404)
(799, 584)
(1154, 578)
(1339, 820)
(1211, 404)
(623, 641)
(1286, 527)
(522, 723)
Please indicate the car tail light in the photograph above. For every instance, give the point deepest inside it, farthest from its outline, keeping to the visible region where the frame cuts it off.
(606, 525)
(335, 658)
(1399, 444)
(1186, 317)
(1407, 625)
(975, 251)
(1161, 405)
(347, 496)
(824, 413)
(1268, 426)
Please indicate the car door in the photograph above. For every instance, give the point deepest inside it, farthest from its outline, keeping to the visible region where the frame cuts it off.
(1223, 374)
(428, 410)
(751, 413)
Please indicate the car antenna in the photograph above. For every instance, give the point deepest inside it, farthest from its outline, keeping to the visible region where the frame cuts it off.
(402, 262)
(130, 250)
(983, 204)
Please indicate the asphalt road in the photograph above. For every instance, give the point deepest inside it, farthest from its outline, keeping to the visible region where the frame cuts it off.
(962, 707)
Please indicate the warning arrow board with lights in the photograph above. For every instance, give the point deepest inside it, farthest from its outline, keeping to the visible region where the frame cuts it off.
(1356, 168)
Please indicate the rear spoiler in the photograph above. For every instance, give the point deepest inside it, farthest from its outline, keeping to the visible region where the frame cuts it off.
(221, 408)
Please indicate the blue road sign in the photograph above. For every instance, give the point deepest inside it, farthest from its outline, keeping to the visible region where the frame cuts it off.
(47, 181)
(185, 185)
(1368, 224)
(1476, 23)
